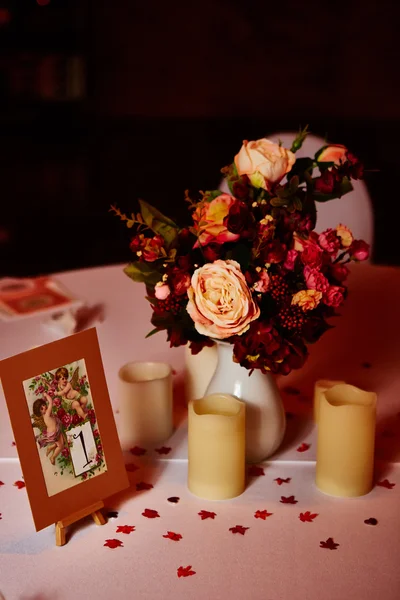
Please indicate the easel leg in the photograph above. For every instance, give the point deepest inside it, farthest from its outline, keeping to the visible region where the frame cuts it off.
(60, 535)
(94, 510)
(98, 517)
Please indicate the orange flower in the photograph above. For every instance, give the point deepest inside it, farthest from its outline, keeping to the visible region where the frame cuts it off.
(345, 235)
(307, 299)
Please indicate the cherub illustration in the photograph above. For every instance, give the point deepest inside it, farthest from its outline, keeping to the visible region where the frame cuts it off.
(50, 427)
(67, 390)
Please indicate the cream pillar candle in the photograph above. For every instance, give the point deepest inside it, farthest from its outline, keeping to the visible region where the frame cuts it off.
(145, 404)
(216, 447)
(321, 386)
(199, 369)
(346, 437)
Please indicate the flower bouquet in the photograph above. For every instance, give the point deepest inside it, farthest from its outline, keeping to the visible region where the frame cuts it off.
(248, 267)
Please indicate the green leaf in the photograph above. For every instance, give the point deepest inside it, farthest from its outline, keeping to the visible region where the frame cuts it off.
(152, 332)
(151, 300)
(159, 223)
(297, 203)
(277, 202)
(142, 272)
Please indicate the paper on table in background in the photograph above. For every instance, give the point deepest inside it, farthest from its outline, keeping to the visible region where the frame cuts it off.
(22, 298)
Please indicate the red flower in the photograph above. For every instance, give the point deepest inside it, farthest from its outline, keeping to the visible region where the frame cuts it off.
(125, 529)
(334, 296)
(279, 480)
(137, 451)
(92, 416)
(325, 184)
(385, 483)
(329, 544)
(239, 529)
(311, 256)
(113, 543)
(150, 513)
(66, 419)
(65, 453)
(175, 537)
(339, 272)
(76, 419)
(303, 447)
(212, 252)
(353, 167)
(307, 517)
(205, 514)
(60, 413)
(143, 486)
(315, 280)
(176, 337)
(163, 450)
(185, 571)
(131, 468)
(275, 252)
(359, 250)
(239, 218)
(151, 249)
(262, 514)
(329, 241)
(288, 500)
(255, 471)
(19, 484)
(180, 281)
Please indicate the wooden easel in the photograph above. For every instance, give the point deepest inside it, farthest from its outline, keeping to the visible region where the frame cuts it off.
(94, 510)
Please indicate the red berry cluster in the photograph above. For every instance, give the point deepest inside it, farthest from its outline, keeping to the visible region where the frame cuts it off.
(278, 288)
(172, 304)
(292, 318)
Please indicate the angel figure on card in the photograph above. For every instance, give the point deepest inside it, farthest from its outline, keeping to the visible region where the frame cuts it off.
(67, 390)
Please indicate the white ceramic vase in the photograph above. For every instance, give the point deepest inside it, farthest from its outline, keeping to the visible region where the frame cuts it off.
(265, 416)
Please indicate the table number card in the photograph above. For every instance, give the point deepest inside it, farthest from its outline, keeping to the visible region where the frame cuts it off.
(83, 449)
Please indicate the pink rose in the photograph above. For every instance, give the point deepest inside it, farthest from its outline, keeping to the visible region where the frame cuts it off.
(290, 260)
(329, 241)
(161, 291)
(307, 299)
(345, 235)
(65, 453)
(209, 221)
(335, 153)
(359, 250)
(339, 272)
(56, 402)
(334, 296)
(76, 419)
(66, 420)
(220, 302)
(315, 280)
(264, 162)
(262, 284)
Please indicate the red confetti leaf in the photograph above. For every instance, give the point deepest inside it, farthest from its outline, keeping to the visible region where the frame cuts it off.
(206, 514)
(19, 484)
(185, 571)
(239, 529)
(13, 444)
(163, 450)
(150, 513)
(0, 516)
(307, 517)
(329, 544)
(262, 514)
(131, 468)
(255, 471)
(137, 451)
(279, 480)
(170, 535)
(113, 543)
(125, 529)
(288, 500)
(303, 447)
(1, 483)
(143, 486)
(386, 484)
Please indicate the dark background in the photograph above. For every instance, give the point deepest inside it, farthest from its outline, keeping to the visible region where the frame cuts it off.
(105, 102)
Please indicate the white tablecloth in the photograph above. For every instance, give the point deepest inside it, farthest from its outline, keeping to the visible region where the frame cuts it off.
(276, 558)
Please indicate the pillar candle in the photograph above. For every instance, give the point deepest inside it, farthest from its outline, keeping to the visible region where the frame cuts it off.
(199, 369)
(321, 386)
(346, 437)
(216, 447)
(145, 404)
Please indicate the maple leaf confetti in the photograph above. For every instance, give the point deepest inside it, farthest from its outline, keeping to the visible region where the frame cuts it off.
(262, 514)
(239, 529)
(255, 471)
(150, 513)
(163, 450)
(386, 484)
(13, 444)
(289, 416)
(206, 514)
(371, 521)
(288, 500)
(113, 543)
(125, 529)
(137, 451)
(143, 486)
(173, 499)
(112, 514)
(329, 544)
(185, 571)
(19, 484)
(1, 483)
(171, 535)
(279, 480)
(131, 468)
(303, 447)
(307, 517)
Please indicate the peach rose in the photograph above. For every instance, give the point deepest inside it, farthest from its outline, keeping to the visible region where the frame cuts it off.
(264, 162)
(335, 153)
(307, 299)
(346, 237)
(220, 302)
(211, 215)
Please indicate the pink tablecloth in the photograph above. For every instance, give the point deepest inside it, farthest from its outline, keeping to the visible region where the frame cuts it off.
(278, 557)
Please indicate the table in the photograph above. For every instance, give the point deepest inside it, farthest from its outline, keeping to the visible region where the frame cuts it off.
(278, 556)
